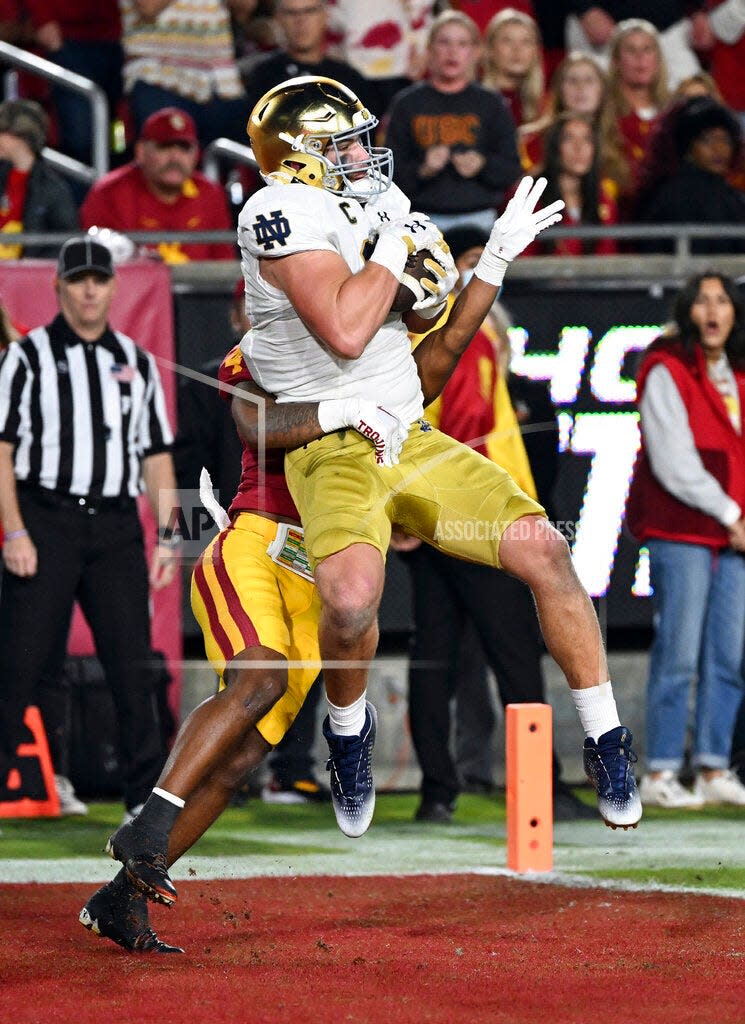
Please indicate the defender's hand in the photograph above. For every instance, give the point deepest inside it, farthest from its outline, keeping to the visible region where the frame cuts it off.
(521, 222)
(516, 229)
(384, 429)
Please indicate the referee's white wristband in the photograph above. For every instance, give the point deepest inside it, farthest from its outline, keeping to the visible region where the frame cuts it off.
(392, 253)
(491, 268)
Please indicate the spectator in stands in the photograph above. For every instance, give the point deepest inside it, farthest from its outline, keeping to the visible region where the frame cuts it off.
(15, 24)
(687, 504)
(254, 31)
(592, 25)
(82, 36)
(700, 84)
(475, 408)
(33, 196)
(161, 190)
(180, 53)
(385, 40)
(513, 64)
(578, 87)
(453, 140)
(697, 145)
(637, 92)
(548, 14)
(723, 40)
(572, 169)
(302, 28)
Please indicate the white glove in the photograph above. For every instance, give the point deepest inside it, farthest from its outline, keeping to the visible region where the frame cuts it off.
(515, 229)
(401, 239)
(438, 287)
(383, 429)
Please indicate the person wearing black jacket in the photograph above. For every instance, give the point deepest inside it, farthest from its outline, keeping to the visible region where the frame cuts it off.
(33, 197)
(698, 144)
(453, 141)
(302, 25)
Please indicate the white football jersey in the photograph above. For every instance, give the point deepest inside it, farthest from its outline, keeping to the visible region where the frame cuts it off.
(283, 356)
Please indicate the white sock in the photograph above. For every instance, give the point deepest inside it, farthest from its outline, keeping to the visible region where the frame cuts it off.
(596, 707)
(347, 721)
(165, 795)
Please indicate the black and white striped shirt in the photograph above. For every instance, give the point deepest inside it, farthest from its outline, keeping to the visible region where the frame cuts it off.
(81, 415)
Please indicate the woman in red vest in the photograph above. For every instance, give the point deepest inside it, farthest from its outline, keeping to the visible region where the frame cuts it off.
(686, 504)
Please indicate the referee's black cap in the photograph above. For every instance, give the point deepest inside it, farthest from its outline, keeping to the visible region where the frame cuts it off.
(82, 254)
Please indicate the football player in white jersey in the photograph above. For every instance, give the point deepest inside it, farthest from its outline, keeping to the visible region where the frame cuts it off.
(323, 331)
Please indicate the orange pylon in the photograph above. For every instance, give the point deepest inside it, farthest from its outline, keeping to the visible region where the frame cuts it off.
(33, 774)
(530, 833)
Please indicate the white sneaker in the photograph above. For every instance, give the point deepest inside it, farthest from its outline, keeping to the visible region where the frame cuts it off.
(131, 813)
(723, 788)
(69, 802)
(665, 790)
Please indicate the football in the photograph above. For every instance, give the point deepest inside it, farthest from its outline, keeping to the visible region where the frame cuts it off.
(405, 298)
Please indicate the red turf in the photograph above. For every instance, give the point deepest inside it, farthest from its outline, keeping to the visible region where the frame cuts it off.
(449, 949)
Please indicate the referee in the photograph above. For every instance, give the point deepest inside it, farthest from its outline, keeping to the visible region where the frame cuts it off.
(82, 426)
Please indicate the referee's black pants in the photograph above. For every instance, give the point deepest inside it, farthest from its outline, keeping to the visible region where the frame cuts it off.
(93, 554)
(447, 593)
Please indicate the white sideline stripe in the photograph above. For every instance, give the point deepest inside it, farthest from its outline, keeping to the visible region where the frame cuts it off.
(399, 849)
(207, 869)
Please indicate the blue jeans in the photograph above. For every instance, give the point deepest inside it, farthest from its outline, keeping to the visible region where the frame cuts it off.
(699, 606)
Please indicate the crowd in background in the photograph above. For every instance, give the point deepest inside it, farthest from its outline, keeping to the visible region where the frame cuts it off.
(633, 111)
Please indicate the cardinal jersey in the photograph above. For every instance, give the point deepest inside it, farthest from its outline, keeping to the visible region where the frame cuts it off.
(283, 356)
(276, 496)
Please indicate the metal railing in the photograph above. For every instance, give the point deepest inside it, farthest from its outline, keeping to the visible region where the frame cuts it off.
(225, 150)
(680, 234)
(14, 57)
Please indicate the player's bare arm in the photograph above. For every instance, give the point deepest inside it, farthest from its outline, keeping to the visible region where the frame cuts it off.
(437, 355)
(286, 425)
(291, 424)
(342, 309)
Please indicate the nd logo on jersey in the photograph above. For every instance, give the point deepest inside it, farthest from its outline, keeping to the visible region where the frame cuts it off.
(271, 229)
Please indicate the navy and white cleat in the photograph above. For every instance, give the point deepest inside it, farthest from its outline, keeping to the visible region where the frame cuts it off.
(350, 765)
(123, 919)
(608, 766)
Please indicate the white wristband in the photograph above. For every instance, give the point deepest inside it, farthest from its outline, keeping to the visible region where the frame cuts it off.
(335, 413)
(392, 253)
(491, 268)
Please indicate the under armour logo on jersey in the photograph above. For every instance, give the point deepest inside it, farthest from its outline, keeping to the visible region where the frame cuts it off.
(271, 229)
(415, 225)
(382, 216)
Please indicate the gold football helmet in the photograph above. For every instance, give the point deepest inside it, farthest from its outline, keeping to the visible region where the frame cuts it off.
(299, 131)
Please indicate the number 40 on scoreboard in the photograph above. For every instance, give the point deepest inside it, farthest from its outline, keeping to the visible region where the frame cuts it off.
(609, 436)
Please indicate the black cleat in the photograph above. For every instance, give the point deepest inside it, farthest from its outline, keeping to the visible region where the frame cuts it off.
(144, 862)
(122, 917)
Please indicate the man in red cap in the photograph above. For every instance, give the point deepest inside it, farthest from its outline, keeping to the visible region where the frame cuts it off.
(161, 190)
